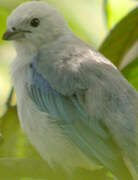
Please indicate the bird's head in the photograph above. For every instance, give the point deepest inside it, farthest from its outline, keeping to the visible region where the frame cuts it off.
(36, 23)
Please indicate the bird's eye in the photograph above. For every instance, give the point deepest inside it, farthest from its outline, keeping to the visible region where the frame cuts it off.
(35, 22)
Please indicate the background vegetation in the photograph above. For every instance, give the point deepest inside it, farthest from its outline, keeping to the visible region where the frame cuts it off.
(108, 25)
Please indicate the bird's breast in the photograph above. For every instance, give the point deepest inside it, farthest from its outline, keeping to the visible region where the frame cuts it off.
(45, 136)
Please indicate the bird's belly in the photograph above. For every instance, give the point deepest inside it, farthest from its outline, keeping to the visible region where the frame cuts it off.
(47, 137)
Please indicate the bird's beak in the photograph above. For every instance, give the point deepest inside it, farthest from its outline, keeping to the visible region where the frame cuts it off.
(12, 35)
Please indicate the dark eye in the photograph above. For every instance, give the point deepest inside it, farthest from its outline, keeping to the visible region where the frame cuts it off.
(35, 22)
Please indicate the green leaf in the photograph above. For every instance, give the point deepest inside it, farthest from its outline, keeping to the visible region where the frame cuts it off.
(25, 167)
(121, 38)
(131, 73)
(116, 10)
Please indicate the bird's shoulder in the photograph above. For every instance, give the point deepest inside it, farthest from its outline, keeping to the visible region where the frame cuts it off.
(69, 65)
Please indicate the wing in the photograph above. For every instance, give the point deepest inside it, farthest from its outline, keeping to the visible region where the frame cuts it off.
(62, 89)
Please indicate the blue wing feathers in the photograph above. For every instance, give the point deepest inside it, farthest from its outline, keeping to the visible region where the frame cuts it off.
(92, 139)
(95, 124)
(80, 109)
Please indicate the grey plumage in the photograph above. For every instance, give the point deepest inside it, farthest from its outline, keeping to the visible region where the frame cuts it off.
(72, 98)
(82, 72)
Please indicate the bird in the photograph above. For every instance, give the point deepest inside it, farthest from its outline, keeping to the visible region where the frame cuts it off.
(74, 105)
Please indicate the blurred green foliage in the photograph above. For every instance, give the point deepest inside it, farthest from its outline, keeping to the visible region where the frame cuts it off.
(92, 21)
(131, 72)
(121, 38)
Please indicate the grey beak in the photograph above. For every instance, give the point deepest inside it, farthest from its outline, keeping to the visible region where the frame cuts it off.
(8, 34)
(12, 35)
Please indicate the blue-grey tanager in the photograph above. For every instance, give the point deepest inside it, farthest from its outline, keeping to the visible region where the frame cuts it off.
(73, 104)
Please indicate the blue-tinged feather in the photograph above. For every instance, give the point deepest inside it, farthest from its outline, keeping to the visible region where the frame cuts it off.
(90, 137)
(79, 108)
